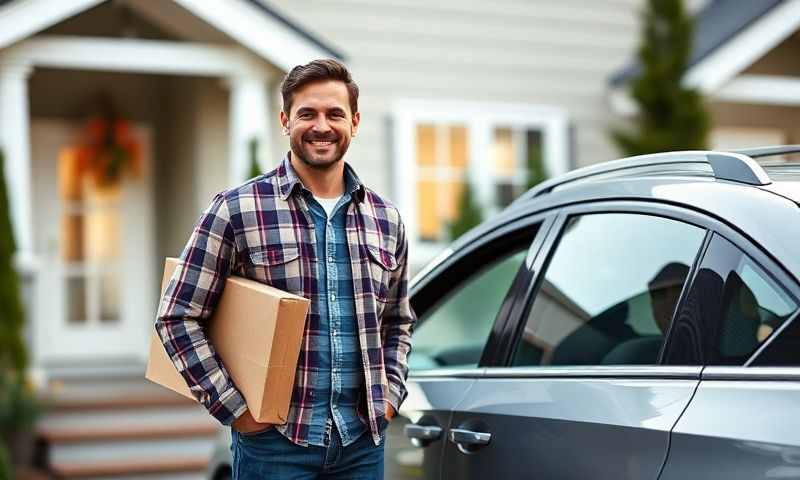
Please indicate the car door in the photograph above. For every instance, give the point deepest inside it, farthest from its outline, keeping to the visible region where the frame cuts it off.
(458, 304)
(581, 393)
(739, 320)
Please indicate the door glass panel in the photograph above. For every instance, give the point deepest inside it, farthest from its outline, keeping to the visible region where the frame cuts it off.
(90, 243)
(109, 298)
(72, 245)
(732, 307)
(77, 312)
(609, 291)
(454, 332)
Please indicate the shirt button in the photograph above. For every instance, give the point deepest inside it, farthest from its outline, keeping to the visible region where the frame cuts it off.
(333, 297)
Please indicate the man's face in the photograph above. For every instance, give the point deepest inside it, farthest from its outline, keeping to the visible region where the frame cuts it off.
(320, 123)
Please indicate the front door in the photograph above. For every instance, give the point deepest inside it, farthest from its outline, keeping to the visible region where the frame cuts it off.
(95, 242)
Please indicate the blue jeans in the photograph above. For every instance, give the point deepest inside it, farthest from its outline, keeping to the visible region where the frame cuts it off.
(270, 455)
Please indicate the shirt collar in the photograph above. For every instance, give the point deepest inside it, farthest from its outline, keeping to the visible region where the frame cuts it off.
(288, 181)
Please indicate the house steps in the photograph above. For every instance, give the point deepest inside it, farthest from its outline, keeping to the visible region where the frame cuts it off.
(122, 427)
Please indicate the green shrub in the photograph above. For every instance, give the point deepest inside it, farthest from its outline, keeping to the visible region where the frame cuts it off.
(13, 354)
(6, 471)
(19, 406)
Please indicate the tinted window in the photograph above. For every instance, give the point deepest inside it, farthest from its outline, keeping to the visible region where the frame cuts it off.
(609, 291)
(732, 307)
(454, 331)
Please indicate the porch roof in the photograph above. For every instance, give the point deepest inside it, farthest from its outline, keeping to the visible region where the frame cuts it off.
(253, 23)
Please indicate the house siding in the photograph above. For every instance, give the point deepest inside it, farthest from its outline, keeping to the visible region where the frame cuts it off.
(536, 52)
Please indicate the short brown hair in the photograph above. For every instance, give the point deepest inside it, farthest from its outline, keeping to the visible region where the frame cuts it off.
(317, 71)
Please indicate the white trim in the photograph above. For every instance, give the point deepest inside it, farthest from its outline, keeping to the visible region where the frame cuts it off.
(745, 48)
(261, 33)
(762, 89)
(479, 118)
(15, 143)
(134, 55)
(253, 28)
(248, 118)
(23, 18)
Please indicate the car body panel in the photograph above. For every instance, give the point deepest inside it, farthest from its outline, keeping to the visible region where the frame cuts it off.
(743, 423)
(431, 399)
(571, 423)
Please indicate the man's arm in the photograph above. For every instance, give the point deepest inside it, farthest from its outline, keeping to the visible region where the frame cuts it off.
(397, 324)
(188, 302)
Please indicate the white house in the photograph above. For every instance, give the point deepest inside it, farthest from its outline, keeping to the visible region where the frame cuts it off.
(197, 80)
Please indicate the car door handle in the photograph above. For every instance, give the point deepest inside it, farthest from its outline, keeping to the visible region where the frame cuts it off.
(468, 437)
(424, 433)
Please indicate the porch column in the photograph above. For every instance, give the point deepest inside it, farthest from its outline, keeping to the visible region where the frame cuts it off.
(15, 143)
(249, 119)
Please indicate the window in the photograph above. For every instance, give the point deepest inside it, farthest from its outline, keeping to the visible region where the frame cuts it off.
(517, 162)
(454, 331)
(442, 175)
(448, 152)
(609, 291)
(732, 307)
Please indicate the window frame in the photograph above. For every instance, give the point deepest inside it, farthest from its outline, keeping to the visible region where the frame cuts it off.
(768, 267)
(480, 119)
(515, 323)
(430, 283)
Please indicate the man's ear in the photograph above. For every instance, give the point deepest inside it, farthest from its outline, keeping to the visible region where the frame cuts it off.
(356, 121)
(284, 122)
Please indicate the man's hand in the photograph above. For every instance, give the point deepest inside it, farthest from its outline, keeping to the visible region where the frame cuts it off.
(247, 424)
(390, 413)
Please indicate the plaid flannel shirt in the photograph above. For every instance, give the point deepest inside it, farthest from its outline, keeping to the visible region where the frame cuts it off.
(263, 230)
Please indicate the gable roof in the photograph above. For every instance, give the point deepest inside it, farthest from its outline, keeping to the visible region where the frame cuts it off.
(294, 26)
(252, 23)
(715, 25)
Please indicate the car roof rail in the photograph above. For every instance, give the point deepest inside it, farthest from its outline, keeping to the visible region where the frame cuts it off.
(771, 151)
(731, 166)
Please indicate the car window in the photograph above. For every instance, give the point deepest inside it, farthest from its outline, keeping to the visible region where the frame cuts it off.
(733, 306)
(609, 291)
(454, 331)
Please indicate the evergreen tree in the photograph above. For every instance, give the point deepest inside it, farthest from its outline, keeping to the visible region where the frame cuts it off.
(13, 353)
(671, 117)
(469, 213)
(252, 146)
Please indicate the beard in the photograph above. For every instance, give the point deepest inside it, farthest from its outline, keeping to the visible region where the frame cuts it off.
(319, 157)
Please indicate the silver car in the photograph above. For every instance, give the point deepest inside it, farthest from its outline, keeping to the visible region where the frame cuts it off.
(629, 320)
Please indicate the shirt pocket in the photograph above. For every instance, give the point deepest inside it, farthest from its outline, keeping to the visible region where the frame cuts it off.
(382, 264)
(278, 266)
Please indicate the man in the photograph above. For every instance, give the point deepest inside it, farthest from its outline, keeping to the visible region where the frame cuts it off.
(309, 227)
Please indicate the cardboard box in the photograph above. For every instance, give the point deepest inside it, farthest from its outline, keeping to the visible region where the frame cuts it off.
(257, 331)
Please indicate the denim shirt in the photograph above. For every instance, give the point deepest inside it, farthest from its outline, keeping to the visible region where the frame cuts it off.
(335, 396)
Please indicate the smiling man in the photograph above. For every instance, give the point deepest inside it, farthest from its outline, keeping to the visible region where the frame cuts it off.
(312, 228)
